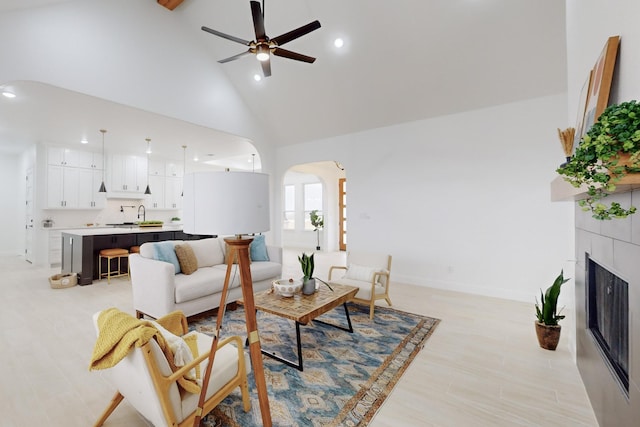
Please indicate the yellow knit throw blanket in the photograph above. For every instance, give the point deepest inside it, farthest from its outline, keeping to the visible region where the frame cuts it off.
(119, 332)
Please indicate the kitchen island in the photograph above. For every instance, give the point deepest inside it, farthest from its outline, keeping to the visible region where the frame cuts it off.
(80, 247)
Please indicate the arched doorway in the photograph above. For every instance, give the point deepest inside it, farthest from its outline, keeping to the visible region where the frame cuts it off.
(314, 187)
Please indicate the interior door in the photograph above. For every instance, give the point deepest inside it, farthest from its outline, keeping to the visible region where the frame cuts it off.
(28, 220)
(342, 207)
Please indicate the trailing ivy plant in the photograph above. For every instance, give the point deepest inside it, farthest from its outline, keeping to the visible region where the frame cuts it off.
(595, 162)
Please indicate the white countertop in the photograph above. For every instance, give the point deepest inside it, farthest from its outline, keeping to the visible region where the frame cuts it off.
(98, 231)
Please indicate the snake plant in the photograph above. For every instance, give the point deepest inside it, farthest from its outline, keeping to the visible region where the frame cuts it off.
(546, 311)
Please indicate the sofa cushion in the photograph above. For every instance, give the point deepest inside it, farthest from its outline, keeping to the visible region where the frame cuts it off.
(260, 270)
(258, 249)
(186, 258)
(163, 251)
(203, 282)
(207, 251)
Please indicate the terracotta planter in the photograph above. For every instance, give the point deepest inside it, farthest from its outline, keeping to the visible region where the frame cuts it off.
(548, 335)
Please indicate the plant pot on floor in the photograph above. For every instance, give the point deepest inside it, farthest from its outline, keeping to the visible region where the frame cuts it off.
(548, 335)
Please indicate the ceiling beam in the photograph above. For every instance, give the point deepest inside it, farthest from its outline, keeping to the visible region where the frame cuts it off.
(170, 4)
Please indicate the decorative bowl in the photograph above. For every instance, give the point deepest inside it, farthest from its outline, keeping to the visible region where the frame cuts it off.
(287, 287)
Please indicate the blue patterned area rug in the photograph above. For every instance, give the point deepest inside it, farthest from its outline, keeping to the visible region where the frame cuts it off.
(346, 377)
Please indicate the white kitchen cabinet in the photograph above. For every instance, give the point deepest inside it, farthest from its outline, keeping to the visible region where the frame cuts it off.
(62, 187)
(59, 156)
(70, 179)
(156, 168)
(89, 160)
(165, 180)
(174, 169)
(88, 186)
(54, 256)
(157, 192)
(128, 173)
(173, 193)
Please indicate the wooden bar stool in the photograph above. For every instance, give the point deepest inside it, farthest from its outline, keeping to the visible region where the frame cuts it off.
(134, 250)
(110, 255)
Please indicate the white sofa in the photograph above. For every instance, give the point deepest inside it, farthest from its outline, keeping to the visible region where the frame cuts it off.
(158, 290)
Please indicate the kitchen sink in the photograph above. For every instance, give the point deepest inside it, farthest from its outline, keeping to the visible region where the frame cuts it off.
(124, 225)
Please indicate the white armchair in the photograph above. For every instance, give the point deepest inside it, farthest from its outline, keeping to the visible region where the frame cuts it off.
(144, 377)
(369, 272)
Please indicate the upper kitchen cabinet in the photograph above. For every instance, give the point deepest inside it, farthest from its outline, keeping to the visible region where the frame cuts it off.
(70, 179)
(128, 174)
(174, 169)
(62, 187)
(59, 156)
(89, 183)
(156, 167)
(165, 180)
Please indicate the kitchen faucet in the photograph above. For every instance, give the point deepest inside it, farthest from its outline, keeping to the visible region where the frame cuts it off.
(144, 212)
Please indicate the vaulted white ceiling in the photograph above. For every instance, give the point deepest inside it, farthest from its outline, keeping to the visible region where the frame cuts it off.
(403, 60)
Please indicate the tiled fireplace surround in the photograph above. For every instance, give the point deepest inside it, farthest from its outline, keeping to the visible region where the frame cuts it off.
(615, 245)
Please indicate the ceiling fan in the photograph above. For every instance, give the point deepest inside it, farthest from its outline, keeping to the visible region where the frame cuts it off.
(263, 46)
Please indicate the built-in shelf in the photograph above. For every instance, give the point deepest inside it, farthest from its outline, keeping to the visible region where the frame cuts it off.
(562, 191)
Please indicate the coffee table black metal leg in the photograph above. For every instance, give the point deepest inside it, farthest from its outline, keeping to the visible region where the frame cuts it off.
(288, 362)
(298, 365)
(346, 312)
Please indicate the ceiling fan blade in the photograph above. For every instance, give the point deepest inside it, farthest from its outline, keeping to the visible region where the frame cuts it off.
(293, 55)
(234, 57)
(258, 21)
(266, 67)
(226, 36)
(298, 32)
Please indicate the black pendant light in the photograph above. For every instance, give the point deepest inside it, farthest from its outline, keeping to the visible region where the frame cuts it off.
(184, 167)
(103, 189)
(148, 190)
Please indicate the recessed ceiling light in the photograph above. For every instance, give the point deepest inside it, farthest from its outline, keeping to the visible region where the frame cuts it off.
(338, 42)
(84, 141)
(257, 77)
(8, 94)
(195, 158)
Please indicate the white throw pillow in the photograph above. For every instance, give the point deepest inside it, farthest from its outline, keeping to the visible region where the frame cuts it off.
(360, 272)
(181, 352)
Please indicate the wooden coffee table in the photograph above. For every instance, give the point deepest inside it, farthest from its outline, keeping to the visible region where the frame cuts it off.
(304, 308)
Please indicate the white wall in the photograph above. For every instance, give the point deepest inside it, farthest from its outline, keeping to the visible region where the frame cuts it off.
(460, 201)
(589, 24)
(12, 193)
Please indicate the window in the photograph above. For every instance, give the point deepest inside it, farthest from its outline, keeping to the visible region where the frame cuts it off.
(289, 214)
(312, 201)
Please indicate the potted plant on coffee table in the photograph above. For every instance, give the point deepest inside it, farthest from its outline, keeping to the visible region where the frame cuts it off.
(547, 327)
(606, 154)
(308, 280)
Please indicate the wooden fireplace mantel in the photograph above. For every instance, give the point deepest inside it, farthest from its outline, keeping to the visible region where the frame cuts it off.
(562, 191)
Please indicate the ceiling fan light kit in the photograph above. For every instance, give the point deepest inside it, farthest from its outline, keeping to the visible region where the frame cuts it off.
(8, 93)
(263, 47)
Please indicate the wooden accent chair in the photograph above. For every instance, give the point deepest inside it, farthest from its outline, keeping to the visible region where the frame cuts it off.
(144, 377)
(370, 273)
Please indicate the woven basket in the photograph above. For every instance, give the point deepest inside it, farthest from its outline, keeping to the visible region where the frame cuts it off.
(61, 281)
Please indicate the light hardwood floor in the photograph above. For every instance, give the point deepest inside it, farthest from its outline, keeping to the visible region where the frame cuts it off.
(481, 367)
